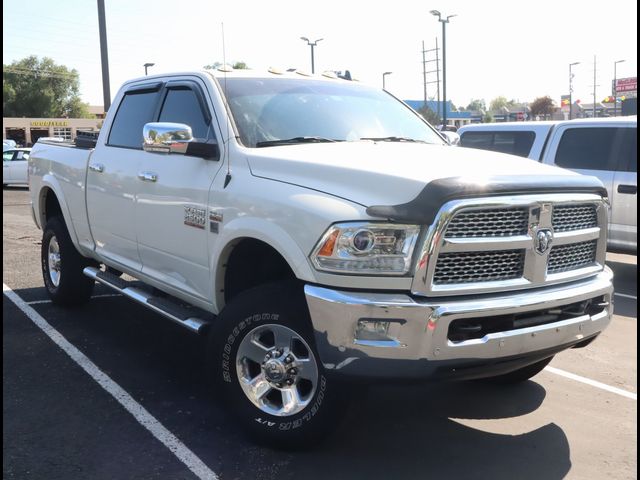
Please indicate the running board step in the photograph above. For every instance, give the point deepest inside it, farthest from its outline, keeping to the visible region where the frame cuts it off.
(164, 306)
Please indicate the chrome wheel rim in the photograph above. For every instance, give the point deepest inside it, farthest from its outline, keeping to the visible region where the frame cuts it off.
(53, 256)
(277, 370)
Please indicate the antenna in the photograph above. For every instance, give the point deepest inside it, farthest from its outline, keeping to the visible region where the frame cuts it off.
(227, 179)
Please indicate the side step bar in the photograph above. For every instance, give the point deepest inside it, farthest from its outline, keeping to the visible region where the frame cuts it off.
(164, 306)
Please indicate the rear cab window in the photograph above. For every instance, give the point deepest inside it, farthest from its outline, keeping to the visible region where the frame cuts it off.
(513, 142)
(135, 110)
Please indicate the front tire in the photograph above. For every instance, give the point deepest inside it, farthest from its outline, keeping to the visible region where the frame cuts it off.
(263, 359)
(62, 266)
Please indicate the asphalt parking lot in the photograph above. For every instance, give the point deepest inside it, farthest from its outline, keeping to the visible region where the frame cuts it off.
(60, 423)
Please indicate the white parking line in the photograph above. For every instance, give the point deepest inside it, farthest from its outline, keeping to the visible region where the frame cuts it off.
(143, 417)
(593, 383)
(40, 302)
(625, 295)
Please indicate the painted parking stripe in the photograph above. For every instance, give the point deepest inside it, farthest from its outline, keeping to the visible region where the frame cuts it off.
(593, 383)
(625, 295)
(40, 302)
(144, 418)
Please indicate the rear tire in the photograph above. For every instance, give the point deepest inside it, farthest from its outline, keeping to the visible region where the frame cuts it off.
(62, 266)
(263, 337)
(520, 375)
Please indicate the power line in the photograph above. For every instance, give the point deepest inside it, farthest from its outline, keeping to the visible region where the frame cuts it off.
(45, 73)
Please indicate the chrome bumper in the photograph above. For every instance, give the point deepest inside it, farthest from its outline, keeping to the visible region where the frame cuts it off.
(417, 343)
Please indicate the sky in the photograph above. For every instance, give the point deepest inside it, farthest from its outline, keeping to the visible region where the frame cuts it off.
(520, 50)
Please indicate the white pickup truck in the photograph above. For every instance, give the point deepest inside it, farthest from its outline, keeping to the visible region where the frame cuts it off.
(319, 230)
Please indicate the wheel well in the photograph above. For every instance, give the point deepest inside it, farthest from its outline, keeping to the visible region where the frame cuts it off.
(51, 206)
(252, 263)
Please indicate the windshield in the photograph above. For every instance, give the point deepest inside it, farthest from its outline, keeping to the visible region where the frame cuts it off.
(277, 111)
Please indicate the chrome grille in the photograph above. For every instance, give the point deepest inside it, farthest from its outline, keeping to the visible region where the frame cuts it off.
(468, 267)
(574, 217)
(572, 257)
(501, 243)
(500, 222)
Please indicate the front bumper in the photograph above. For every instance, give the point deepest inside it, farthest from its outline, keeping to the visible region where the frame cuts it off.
(417, 343)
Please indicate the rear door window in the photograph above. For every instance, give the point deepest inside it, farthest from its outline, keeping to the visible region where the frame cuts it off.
(136, 109)
(596, 148)
(512, 142)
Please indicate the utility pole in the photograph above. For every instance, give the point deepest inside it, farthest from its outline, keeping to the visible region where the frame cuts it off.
(615, 87)
(438, 75)
(104, 56)
(436, 71)
(424, 73)
(571, 88)
(594, 86)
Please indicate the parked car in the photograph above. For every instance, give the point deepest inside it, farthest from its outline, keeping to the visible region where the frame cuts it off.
(14, 166)
(452, 138)
(318, 230)
(605, 147)
(8, 145)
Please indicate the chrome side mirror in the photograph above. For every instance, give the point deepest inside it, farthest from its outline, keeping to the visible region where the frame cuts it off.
(164, 137)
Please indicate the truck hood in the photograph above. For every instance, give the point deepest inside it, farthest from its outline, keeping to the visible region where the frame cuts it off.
(386, 173)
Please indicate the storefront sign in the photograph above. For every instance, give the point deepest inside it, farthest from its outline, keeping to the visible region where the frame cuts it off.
(50, 123)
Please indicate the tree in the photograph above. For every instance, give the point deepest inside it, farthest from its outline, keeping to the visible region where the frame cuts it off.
(488, 118)
(40, 88)
(429, 115)
(235, 66)
(542, 106)
(477, 104)
(499, 103)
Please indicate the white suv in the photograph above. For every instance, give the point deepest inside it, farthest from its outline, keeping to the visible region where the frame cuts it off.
(604, 147)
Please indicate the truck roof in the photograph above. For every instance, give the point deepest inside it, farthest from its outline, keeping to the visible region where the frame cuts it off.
(248, 73)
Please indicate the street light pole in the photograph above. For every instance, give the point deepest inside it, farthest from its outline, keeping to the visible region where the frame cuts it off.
(444, 22)
(104, 56)
(615, 87)
(311, 44)
(146, 66)
(571, 88)
(383, 77)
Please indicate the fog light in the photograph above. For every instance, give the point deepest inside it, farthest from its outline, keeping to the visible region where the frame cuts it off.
(374, 330)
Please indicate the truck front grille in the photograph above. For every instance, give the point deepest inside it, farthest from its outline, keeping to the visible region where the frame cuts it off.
(502, 222)
(571, 257)
(471, 267)
(512, 243)
(574, 217)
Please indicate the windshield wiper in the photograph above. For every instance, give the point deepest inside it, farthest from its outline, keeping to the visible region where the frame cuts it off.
(295, 140)
(393, 139)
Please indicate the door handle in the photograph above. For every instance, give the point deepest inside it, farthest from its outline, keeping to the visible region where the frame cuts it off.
(630, 189)
(148, 176)
(96, 167)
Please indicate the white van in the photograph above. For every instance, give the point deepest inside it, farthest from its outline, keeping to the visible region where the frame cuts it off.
(603, 147)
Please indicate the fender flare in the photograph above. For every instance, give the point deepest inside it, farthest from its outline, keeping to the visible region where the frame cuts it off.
(51, 182)
(264, 231)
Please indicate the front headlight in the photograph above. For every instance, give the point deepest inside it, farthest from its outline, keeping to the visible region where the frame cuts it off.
(366, 248)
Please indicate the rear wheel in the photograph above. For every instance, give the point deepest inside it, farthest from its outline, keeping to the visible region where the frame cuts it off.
(263, 359)
(62, 266)
(522, 374)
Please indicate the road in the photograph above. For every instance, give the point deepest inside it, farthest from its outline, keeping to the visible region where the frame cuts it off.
(59, 423)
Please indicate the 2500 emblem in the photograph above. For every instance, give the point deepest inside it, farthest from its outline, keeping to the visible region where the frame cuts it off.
(195, 217)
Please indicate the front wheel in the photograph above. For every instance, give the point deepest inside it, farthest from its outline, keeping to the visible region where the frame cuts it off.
(263, 358)
(62, 266)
